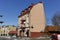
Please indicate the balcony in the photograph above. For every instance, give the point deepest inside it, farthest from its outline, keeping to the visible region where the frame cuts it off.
(22, 21)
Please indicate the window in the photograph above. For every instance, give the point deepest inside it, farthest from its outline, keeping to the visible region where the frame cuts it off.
(1, 34)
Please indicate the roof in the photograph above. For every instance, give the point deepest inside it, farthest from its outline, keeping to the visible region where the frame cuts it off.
(52, 28)
(27, 10)
(13, 32)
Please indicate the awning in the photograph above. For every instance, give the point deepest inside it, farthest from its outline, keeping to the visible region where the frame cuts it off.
(13, 32)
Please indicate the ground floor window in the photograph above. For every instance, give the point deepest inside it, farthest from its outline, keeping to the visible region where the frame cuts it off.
(3, 34)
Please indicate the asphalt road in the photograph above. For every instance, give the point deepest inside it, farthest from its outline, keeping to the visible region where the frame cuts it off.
(8, 39)
(1, 38)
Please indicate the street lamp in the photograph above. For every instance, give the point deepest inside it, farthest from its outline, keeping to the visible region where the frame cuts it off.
(1, 16)
(1, 21)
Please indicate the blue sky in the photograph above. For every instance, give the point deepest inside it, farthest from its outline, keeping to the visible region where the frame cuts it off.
(10, 9)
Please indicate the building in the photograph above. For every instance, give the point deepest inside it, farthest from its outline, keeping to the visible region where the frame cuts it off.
(4, 30)
(32, 19)
(53, 29)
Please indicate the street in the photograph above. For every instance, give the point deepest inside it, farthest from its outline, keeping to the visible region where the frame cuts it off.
(25, 38)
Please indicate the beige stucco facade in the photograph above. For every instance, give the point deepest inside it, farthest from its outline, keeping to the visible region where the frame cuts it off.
(34, 17)
(26, 18)
(37, 18)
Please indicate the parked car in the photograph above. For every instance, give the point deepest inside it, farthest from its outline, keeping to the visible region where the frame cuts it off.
(56, 37)
(14, 36)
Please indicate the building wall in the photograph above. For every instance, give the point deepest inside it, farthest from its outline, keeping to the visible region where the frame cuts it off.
(39, 34)
(4, 31)
(11, 28)
(25, 17)
(37, 18)
(52, 28)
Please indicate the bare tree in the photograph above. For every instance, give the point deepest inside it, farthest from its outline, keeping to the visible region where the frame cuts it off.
(56, 19)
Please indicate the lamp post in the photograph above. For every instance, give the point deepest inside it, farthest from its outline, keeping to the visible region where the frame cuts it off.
(1, 21)
(1, 16)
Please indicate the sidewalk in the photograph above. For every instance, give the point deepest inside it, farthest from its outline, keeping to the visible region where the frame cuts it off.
(40, 38)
